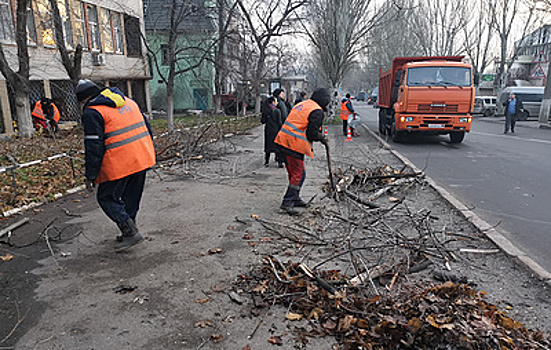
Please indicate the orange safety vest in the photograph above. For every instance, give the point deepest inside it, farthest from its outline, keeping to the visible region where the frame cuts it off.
(293, 132)
(39, 113)
(128, 144)
(344, 110)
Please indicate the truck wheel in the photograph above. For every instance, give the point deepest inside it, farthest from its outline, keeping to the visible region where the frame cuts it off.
(457, 136)
(382, 122)
(523, 115)
(397, 136)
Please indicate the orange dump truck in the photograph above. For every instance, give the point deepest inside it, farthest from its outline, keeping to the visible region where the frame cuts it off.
(430, 95)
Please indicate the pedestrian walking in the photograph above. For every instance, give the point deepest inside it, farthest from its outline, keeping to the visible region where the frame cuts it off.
(299, 131)
(119, 149)
(279, 94)
(513, 107)
(271, 118)
(346, 111)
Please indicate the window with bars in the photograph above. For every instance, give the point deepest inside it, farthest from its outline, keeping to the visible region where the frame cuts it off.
(133, 36)
(31, 28)
(106, 30)
(79, 24)
(117, 30)
(63, 7)
(93, 27)
(6, 22)
(46, 23)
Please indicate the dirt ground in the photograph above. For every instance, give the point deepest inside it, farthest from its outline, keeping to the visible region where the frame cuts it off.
(70, 291)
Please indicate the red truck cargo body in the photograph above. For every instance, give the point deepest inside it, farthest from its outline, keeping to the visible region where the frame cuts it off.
(426, 94)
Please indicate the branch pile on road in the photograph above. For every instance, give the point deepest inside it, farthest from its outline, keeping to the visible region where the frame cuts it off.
(374, 268)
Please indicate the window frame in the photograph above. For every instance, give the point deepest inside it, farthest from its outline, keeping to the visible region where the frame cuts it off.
(8, 16)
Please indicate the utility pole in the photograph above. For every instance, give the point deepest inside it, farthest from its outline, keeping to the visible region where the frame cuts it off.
(545, 109)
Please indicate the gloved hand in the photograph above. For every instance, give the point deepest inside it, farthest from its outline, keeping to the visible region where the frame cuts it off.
(90, 185)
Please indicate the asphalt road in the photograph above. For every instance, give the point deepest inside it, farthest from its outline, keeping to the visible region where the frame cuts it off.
(505, 179)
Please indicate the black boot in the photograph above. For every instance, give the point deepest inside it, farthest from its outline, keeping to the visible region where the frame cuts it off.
(289, 200)
(130, 235)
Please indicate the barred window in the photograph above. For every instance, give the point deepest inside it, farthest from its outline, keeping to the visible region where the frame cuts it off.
(106, 31)
(63, 7)
(93, 26)
(6, 21)
(46, 23)
(80, 35)
(117, 29)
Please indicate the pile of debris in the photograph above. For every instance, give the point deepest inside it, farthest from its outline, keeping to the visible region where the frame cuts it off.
(442, 316)
(361, 263)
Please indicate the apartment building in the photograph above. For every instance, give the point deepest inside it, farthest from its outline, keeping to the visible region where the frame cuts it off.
(110, 33)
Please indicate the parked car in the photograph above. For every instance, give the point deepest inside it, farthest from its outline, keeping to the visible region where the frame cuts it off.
(530, 96)
(485, 105)
(372, 99)
(360, 96)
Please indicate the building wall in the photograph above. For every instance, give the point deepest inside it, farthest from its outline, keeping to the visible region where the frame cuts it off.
(193, 89)
(118, 56)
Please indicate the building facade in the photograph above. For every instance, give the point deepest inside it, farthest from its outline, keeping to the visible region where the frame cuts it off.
(193, 53)
(113, 51)
(532, 62)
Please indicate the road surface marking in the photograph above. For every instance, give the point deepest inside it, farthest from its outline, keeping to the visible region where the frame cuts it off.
(512, 138)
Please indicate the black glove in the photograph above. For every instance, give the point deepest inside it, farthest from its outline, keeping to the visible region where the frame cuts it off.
(325, 141)
(90, 184)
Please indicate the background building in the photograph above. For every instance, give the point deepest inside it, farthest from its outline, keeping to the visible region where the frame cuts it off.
(113, 51)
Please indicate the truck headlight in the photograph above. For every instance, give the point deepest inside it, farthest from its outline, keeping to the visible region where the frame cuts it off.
(406, 119)
(465, 120)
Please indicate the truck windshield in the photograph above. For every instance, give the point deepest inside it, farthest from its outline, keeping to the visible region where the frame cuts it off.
(445, 76)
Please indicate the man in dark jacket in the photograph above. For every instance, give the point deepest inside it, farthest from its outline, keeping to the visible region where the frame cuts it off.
(512, 109)
(118, 151)
(271, 117)
(300, 130)
(301, 97)
(280, 95)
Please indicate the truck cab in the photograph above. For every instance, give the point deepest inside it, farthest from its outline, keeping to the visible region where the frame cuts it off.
(426, 95)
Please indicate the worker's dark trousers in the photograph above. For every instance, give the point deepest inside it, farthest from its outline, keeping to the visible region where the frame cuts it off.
(345, 127)
(297, 174)
(120, 199)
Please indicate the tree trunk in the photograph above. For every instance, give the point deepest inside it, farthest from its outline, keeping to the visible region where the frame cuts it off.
(170, 105)
(22, 110)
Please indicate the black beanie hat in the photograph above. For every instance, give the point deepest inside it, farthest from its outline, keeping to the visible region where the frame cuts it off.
(322, 97)
(86, 88)
(277, 92)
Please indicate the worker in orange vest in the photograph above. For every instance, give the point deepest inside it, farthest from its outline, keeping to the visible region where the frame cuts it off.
(118, 151)
(346, 110)
(45, 113)
(301, 128)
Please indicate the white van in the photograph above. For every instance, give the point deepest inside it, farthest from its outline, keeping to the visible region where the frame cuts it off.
(530, 96)
(485, 105)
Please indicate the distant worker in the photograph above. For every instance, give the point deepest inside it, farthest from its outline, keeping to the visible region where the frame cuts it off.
(346, 110)
(45, 115)
(512, 109)
(118, 151)
(300, 97)
(271, 118)
(300, 130)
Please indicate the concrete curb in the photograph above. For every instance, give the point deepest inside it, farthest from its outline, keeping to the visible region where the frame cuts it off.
(14, 211)
(494, 235)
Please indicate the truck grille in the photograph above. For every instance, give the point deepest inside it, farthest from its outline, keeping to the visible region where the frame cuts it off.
(440, 108)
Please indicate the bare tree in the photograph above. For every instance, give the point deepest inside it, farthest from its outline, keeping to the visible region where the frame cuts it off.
(505, 17)
(71, 62)
(19, 81)
(182, 53)
(478, 37)
(339, 32)
(267, 20)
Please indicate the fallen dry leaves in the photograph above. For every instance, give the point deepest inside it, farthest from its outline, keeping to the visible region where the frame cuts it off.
(447, 315)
